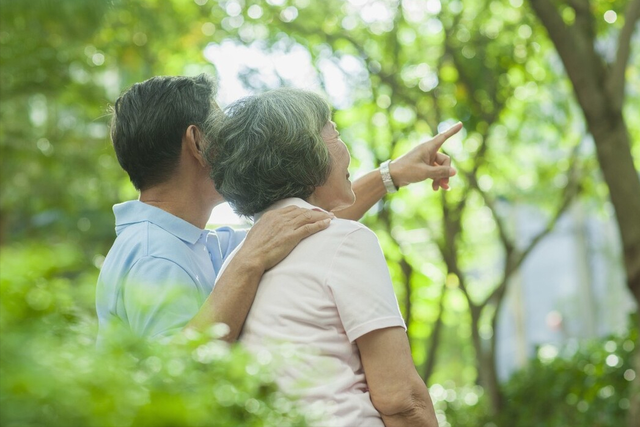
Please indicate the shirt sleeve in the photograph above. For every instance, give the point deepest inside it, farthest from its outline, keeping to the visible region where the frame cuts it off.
(160, 298)
(361, 286)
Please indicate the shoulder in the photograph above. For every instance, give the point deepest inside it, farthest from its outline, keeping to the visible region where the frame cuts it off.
(351, 233)
(144, 269)
(157, 267)
(147, 239)
(140, 244)
(342, 232)
(344, 239)
(334, 236)
(345, 227)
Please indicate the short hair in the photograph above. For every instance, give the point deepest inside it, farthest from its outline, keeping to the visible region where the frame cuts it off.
(150, 119)
(268, 147)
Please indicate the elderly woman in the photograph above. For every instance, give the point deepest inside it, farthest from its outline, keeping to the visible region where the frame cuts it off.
(331, 301)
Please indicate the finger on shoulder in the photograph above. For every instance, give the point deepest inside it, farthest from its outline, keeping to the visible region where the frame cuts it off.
(282, 214)
(310, 216)
(307, 229)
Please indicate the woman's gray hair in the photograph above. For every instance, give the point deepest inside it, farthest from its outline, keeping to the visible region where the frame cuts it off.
(267, 147)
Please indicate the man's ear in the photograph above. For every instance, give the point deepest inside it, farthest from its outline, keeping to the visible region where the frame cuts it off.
(196, 144)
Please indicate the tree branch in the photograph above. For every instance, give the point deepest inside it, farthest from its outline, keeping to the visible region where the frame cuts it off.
(570, 194)
(560, 34)
(571, 190)
(451, 228)
(575, 47)
(616, 78)
(584, 18)
(502, 229)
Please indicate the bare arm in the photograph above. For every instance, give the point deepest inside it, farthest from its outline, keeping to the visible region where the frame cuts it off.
(268, 243)
(368, 189)
(396, 389)
(421, 163)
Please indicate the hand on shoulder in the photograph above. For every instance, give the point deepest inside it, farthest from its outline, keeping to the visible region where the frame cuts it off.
(277, 232)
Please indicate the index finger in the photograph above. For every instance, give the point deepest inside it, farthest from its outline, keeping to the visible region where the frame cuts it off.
(310, 216)
(308, 229)
(442, 137)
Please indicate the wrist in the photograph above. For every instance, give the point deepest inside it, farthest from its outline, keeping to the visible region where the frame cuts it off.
(387, 177)
(249, 262)
(396, 175)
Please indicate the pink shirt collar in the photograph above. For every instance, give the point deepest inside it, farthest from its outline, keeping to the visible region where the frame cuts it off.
(292, 201)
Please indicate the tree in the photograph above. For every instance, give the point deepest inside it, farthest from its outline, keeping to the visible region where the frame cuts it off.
(599, 87)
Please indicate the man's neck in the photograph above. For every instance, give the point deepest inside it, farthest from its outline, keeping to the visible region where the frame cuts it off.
(185, 204)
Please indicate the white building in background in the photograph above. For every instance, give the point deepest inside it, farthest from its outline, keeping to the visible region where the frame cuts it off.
(571, 287)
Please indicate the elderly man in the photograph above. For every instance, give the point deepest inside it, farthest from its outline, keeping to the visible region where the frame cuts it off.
(158, 277)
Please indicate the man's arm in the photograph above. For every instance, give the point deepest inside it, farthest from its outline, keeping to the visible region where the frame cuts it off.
(396, 389)
(268, 243)
(421, 163)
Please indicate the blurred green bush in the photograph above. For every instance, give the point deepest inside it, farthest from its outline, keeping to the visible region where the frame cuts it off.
(52, 374)
(586, 384)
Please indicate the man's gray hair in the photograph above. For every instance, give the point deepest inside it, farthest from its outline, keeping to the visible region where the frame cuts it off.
(267, 147)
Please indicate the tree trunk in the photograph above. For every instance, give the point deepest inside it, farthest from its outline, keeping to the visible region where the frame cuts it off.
(486, 366)
(633, 416)
(434, 342)
(614, 154)
(407, 270)
(599, 90)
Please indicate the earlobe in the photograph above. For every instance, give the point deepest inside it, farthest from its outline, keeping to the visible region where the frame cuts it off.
(197, 139)
(200, 155)
(196, 144)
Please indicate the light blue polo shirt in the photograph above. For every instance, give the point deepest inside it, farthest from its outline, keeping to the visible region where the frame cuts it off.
(159, 270)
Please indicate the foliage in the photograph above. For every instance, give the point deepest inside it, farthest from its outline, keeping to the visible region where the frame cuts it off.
(51, 373)
(586, 384)
(406, 69)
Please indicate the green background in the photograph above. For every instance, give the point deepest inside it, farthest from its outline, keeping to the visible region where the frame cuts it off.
(421, 65)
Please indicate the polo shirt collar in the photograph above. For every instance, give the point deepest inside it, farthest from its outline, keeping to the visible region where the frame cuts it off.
(292, 201)
(135, 211)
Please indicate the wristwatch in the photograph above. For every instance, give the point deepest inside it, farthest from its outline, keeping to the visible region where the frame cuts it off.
(386, 177)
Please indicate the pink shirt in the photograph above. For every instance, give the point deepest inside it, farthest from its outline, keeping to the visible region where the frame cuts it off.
(333, 288)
